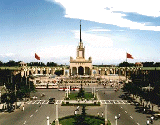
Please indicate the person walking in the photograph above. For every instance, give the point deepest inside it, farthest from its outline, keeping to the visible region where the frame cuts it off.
(102, 114)
(119, 115)
(23, 108)
(147, 122)
(152, 119)
(98, 114)
(144, 110)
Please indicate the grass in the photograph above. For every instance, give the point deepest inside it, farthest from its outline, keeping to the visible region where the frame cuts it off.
(87, 95)
(10, 68)
(92, 120)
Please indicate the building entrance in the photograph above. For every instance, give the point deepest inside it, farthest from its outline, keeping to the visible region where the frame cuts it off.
(80, 70)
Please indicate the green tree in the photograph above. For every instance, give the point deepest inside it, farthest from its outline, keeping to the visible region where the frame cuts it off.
(81, 92)
(59, 72)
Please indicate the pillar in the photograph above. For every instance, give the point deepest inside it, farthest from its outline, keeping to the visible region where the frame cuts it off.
(41, 71)
(28, 72)
(119, 71)
(77, 70)
(71, 70)
(52, 71)
(91, 71)
(36, 72)
(114, 71)
(47, 71)
(84, 70)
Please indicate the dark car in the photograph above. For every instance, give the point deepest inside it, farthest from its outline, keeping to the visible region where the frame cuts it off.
(51, 100)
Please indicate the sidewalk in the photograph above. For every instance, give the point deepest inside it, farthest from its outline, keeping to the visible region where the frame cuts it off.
(155, 107)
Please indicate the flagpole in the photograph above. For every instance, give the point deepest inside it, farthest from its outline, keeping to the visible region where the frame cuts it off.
(126, 66)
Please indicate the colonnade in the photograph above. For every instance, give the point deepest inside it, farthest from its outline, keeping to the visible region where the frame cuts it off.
(121, 71)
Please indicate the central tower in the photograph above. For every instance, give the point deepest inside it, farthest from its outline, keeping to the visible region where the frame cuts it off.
(80, 66)
(80, 48)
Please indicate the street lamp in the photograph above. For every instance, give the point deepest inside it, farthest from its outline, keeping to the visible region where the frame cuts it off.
(106, 121)
(116, 119)
(47, 120)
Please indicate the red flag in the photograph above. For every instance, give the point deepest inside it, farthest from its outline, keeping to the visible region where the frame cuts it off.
(37, 57)
(129, 56)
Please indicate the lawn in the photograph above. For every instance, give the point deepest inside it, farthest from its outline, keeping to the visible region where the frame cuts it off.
(87, 95)
(92, 120)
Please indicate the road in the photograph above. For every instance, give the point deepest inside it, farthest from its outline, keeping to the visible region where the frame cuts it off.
(129, 115)
(34, 114)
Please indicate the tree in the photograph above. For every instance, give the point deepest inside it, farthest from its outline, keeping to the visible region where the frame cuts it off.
(81, 92)
(16, 88)
(51, 64)
(126, 64)
(80, 119)
(148, 64)
(59, 72)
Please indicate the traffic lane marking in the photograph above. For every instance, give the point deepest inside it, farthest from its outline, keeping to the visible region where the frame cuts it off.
(31, 116)
(131, 117)
(36, 110)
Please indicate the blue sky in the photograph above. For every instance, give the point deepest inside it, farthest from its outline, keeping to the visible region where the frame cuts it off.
(51, 29)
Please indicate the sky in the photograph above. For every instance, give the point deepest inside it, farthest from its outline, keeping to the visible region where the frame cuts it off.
(50, 28)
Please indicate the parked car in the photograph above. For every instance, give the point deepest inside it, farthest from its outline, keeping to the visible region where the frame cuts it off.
(52, 100)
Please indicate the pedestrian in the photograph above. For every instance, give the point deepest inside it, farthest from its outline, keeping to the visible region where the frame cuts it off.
(23, 108)
(77, 108)
(98, 114)
(147, 122)
(102, 114)
(152, 119)
(144, 110)
(119, 115)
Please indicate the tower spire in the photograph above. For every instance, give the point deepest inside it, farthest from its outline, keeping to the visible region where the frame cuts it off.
(80, 32)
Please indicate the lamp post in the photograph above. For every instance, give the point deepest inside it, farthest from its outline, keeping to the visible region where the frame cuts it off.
(94, 92)
(106, 121)
(15, 96)
(0, 96)
(47, 120)
(56, 121)
(116, 119)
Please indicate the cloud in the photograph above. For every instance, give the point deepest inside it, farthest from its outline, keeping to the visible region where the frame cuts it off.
(98, 30)
(111, 11)
(94, 40)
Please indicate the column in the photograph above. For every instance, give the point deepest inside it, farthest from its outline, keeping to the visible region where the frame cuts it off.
(91, 71)
(28, 72)
(114, 71)
(52, 71)
(22, 73)
(119, 71)
(46, 70)
(77, 70)
(36, 72)
(71, 70)
(84, 70)
(56, 121)
(41, 71)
